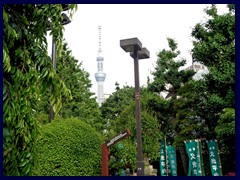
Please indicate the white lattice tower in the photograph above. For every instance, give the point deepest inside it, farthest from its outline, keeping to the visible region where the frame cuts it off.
(100, 75)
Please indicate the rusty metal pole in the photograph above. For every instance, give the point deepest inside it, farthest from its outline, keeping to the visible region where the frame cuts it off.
(105, 151)
(140, 162)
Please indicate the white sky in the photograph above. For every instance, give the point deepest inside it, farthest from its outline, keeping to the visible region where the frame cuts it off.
(150, 23)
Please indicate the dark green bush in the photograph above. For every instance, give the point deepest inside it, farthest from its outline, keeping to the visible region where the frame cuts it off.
(68, 147)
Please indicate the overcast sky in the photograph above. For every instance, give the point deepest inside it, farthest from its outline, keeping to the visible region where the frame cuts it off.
(150, 23)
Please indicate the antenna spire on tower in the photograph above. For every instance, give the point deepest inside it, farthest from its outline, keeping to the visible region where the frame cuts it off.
(99, 36)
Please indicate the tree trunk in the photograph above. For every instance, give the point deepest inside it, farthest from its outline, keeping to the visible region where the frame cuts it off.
(184, 159)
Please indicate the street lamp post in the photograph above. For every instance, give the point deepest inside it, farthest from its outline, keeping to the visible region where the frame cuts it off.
(65, 21)
(134, 46)
(51, 113)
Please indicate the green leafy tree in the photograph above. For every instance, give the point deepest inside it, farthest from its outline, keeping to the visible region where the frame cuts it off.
(214, 46)
(83, 104)
(168, 79)
(226, 123)
(115, 104)
(122, 156)
(27, 69)
(160, 108)
(151, 134)
(188, 123)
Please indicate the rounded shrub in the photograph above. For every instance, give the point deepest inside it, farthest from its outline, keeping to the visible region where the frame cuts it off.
(68, 147)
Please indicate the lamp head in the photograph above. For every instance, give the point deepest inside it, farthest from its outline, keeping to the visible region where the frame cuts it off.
(143, 54)
(66, 19)
(130, 45)
(65, 7)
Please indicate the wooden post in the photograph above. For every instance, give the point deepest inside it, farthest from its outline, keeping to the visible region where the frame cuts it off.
(104, 159)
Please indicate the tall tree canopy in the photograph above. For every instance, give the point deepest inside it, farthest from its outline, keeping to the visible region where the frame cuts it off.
(168, 79)
(27, 69)
(83, 104)
(214, 46)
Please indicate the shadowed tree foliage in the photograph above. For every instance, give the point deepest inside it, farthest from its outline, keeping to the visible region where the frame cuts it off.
(188, 123)
(115, 104)
(214, 46)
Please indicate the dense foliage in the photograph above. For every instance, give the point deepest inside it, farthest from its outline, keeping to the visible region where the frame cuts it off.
(214, 46)
(122, 156)
(172, 105)
(27, 69)
(121, 117)
(151, 131)
(83, 104)
(204, 108)
(115, 104)
(169, 79)
(68, 147)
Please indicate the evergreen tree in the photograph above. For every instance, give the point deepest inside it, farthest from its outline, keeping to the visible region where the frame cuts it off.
(168, 79)
(188, 123)
(214, 46)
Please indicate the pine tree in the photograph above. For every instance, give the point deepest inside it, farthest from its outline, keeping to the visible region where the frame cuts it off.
(168, 79)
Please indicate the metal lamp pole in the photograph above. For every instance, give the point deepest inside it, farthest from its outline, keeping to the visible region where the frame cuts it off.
(51, 113)
(65, 21)
(134, 46)
(140, 163)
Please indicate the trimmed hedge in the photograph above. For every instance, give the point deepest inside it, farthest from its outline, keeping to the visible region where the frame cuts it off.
(68, 147)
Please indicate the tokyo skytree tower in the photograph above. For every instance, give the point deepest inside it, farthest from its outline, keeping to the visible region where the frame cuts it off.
(100, 75)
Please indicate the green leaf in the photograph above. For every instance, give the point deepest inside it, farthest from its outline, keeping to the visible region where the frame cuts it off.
(26, 169)
(4, 89)
(4, 93)
(23, 163)
(24, 48)
(6, 151)
(28, 155)
(45, 73)
(28, 61)
(5, 132)
(24, 20)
